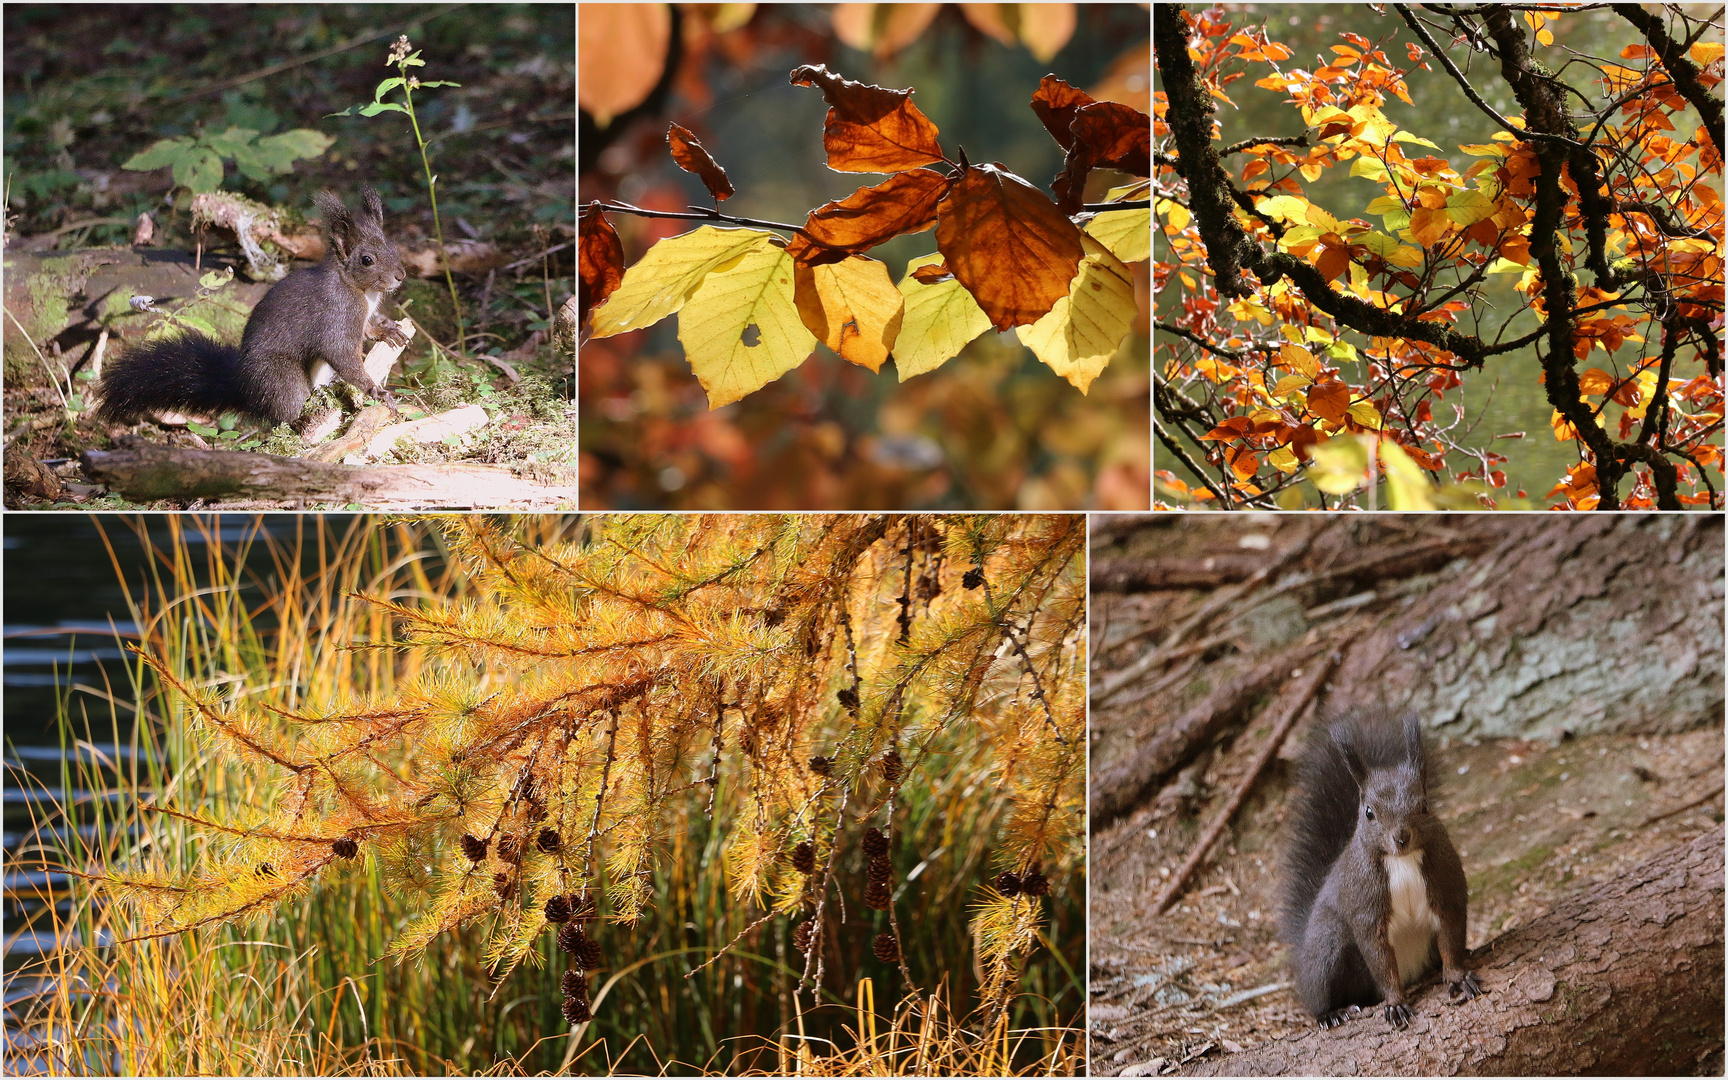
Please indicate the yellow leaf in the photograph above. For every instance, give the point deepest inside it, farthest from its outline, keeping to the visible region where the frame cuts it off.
(1407, 487)
(1707, 51)
(1340, 465)
(939, 320)
(1284, 208)
(1407, 257)
(673, 269)
(1175, 214)
(1364, 413)
(1127, 233)
(852, 307)
(741, 330)
(1405, 136)
(1300, 360)
(1082, 332)
(1320, 219)
(1289, 384)
(1283, 459)
(1545, 37)
(1466, 208)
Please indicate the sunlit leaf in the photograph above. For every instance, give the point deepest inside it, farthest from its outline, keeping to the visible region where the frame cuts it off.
(1407, 487)
(852, 307)
(601, 259)
(692, 158)
(663, 279)
(939, 320)
(621, 56)
(1083, 331)
(740, 329)
(870, 129)
(1128, 233)
(1008, 244)
(904, 203)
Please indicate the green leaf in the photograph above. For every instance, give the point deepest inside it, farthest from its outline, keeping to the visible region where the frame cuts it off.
(159, 154)
(1387, 204)
(1284, 208)
(215, 279)
(1405, 136)
(1466, 208)
(1407, 487)
(1369, 167)
(741, 329)
(276, 154)
(231, 142)
(200, 170)
(939, 320)
(1380, 244)
(1339, 465)
(386, 86)
(424, 85)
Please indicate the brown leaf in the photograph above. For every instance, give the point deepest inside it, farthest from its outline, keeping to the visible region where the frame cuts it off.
(692, 158)
(1008, 244)
(931, 273)
(602, 259)
(623, 54)
(1105, 134)
(1056, 103)
(870, 129)
(904, 203)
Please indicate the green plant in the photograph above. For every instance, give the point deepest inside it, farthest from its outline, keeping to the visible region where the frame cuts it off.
(197, 159)
(408, 82)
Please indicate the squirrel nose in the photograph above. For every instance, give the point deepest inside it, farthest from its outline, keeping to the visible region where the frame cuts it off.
(1402, 837)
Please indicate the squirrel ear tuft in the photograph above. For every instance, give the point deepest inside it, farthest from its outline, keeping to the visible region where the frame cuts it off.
(373, 204)
(337, 220)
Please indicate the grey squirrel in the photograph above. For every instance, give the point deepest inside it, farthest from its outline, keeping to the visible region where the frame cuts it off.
(306, 330)
(1372, 886)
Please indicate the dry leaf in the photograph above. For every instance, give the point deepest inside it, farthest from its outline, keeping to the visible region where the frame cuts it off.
(601, 258)
(870, 129)
(931, 273)
(851, 306)
(621, 56)
(1105, 134)
(1056, 102)
(1008, 244)
(692, 158)
(904, 203)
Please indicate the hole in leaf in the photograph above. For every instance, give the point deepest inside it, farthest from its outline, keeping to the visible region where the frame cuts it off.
(752, 336)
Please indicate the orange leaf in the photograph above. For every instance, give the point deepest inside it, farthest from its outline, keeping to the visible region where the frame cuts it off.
(1329, 401)
(931, 273)
(852, 307)
(870, 129)
(1333, 261)
(1104, 134)
(884, 29)
(1008, 244)
(692, 158)
(904, 203)
(623, 54)
(1595, 381)
(602, 258)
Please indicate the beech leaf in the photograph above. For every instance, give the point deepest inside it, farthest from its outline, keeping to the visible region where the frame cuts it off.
(1127, 233)
(692, 158)
(851, 306)
(940, 319)
(904, 203)
(870, 129)
(1105, 134)
(1008, 244)
(673, 269)
(1085, 328)
(740, 329)
(931, 273)
(622, 56)
(601, 259)
(1056, 102)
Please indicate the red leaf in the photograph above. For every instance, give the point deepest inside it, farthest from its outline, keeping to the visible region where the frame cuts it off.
(602, 259)
(870, 129)
(692, 158)
(904, 203)
(1008, 244)
(1104, 134)
(1056, 103)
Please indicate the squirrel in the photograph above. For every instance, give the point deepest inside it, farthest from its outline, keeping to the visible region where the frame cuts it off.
(1372, 886)
(307, 330)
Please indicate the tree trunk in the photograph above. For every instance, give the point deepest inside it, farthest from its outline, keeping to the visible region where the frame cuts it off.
(1625, 978)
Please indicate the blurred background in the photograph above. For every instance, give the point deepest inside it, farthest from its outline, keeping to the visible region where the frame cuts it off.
(991, 429)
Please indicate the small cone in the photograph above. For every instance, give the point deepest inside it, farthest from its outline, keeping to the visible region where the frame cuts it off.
(886, 948)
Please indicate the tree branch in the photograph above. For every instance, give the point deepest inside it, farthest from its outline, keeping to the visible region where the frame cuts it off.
(1680, 68)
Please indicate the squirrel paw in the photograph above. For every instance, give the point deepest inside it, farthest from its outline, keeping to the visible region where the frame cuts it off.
(1330, 1020)
(393, 337)
(1399, 1016)
(1463, 988)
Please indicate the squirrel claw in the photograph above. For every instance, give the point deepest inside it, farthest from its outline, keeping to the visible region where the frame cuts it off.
(1336, 1016)
(1399, 1016)
(395, 338)
(1463, 988)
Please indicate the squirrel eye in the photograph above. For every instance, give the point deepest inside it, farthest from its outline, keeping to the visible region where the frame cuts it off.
(365, 260)
(1369, 810)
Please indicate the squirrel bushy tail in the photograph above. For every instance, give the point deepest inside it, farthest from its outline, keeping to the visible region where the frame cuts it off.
(1322, 816)
(190, 373)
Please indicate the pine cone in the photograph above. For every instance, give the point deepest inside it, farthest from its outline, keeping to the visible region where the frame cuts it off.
(886, 948)
(849, 698)
(502, 885)
(344, 847)
(571, 937)
(558, 909)
(973, 578)
(893, 768)
(875, 843)
(473, 847)
(574, 984)
(589, 957)
(576, 1010)
(804, 857)
(507, 848)
(878, 894)
(821, 766)
(266, 870)
(802, 935)
(881, 867)
(583, 908)
(548, 841)
(1008, 883)
(1035, 883)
